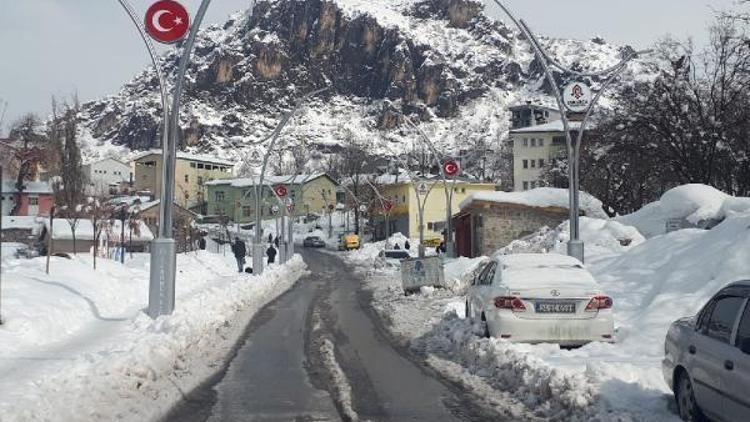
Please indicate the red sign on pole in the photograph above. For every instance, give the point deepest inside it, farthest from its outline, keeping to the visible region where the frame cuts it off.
(281, 191)
(167, 21)
(451, 168)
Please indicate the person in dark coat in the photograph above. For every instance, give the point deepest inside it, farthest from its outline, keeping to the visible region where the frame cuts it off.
(397, 247)
(202, 243)
(239, 250)
(270, 238)
(407, 245)
(276, 241)
(271, 252)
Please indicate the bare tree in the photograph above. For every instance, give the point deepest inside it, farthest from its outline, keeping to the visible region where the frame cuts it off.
(101, 215)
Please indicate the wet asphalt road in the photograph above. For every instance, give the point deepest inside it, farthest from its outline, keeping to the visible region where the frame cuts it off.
(277, 373)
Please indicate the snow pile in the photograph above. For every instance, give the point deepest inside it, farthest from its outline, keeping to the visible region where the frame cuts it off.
(601, 237)
(540, 197)
(76, 345)
(653, 283)
(700, 205)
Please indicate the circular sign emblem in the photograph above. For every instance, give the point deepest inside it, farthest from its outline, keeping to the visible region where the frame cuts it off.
(577, 97)
(167, 21)
(290, 208)
(275, 209)
(281, 191)
(451, 168)
(331, 207)
(423, 189)
(363, 208)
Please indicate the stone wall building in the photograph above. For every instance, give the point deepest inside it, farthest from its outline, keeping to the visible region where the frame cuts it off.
(490, 221)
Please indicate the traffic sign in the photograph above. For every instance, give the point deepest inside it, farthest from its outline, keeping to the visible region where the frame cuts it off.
(577, 97)
(281, 191)
(167, 21)
(422, 189)
(331, 207)
(290, 208)
(275, 209)
(451, 168)
(363, 208)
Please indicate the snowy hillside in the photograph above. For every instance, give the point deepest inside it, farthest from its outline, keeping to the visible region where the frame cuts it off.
(444, 63)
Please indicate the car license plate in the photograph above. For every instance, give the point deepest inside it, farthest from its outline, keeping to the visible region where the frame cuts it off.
(555, 307)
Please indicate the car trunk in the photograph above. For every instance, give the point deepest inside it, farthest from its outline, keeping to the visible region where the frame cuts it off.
(556, 302)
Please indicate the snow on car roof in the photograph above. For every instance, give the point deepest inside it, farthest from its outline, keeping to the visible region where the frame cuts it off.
(543, 270)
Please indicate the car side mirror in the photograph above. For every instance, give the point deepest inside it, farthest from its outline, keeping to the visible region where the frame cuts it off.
(745, 346)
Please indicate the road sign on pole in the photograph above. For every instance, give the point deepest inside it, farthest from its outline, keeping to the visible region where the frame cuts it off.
(281, 191)
(451, 168)
(577, 97)
(422, 189)
(167, 21)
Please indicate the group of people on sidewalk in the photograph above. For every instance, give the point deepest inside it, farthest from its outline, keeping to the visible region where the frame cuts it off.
(240, 252)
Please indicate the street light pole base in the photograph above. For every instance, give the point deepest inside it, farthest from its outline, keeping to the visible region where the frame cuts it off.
(576, 249)
(258, 252)
(450, 250)
(162, 281)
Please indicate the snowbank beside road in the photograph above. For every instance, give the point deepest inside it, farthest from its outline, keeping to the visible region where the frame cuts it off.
(76, 345)
(698, 204)
(653, 282)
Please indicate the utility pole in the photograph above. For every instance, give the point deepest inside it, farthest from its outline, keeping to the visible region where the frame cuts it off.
(580, 103)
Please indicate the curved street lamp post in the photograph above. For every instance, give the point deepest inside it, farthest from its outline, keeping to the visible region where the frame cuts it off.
(163, 249)
(575, 245)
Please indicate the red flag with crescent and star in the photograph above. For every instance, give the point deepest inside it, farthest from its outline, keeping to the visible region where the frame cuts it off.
(167, 21)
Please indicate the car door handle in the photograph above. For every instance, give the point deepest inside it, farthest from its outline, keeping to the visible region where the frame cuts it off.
(729, 365)
(692, 350)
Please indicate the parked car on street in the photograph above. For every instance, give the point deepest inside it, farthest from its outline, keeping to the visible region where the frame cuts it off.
(540, 298)
(707, 358)
(349, 242)
(391, 258)
(313, 242)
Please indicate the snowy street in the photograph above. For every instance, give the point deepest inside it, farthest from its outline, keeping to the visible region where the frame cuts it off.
(315, 350)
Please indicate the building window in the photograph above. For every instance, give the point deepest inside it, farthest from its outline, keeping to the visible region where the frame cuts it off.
(219, 196)
(200, 166)
(541, 162)
(200, 180)
(247, 211)
(533, 142)
(192, 165)
(33, 201)
(525, 164)
(541, 142)
(525, 185)
(187, 178)
(525, 142)
(533, 164)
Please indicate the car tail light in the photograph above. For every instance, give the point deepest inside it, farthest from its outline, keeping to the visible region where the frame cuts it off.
(599, 302)
(510, 302)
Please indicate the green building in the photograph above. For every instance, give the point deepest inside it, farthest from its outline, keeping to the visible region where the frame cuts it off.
(235, 198)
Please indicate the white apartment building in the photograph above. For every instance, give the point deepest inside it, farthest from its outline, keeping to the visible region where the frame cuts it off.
(534, 148)
(106, 176)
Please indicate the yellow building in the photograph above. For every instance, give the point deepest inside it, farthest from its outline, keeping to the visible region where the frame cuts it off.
(404, 216)
(192, 171)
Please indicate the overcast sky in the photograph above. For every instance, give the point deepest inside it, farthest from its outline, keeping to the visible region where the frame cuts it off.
(57, 47)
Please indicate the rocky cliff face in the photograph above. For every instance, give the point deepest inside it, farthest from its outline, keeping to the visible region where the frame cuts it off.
(444, 62)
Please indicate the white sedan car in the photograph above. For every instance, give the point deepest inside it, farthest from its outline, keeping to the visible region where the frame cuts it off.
(540, 298)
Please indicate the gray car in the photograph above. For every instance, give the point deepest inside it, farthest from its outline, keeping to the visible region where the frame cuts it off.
(707, 358)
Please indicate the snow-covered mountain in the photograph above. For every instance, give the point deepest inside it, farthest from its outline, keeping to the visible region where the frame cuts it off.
(443, 62)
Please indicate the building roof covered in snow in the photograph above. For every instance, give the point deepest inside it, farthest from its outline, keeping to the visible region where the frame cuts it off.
(187, 156)
(269, 180)
(84, 230)
(556, 126)
(539, 198)
(41, 188)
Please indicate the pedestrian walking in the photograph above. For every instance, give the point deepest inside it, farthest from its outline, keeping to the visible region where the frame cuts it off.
(270, 238)
(271, 252)
(202, 243)
(239, 250)
(276, 241)
(407, 245)
(397, 247)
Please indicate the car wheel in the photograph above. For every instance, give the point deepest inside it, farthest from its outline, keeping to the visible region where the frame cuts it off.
(686, 405)
(485, 327)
